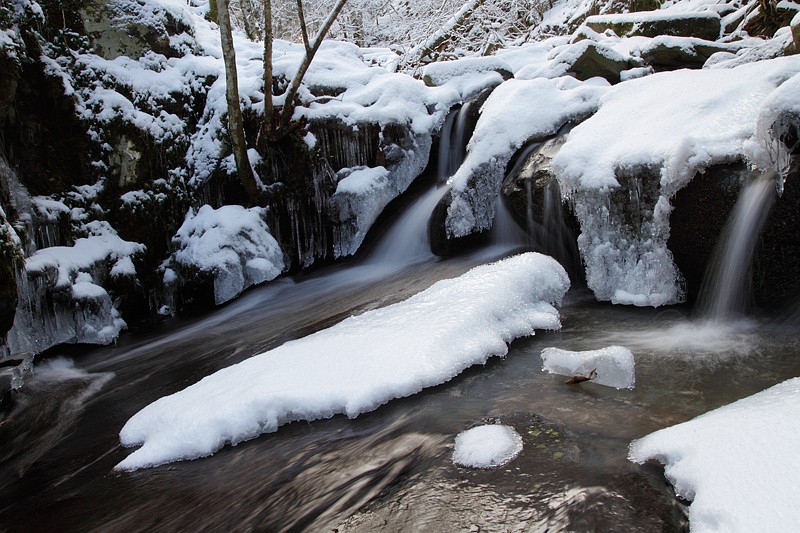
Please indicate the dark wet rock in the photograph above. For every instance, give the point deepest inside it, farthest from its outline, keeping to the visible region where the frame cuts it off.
(704, 25)
(445, 245)
(532, 194)
(698, 217)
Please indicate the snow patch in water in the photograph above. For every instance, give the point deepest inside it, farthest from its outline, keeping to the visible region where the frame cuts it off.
(487, 446)
(737, 464)
(356, 365)
(614, 365)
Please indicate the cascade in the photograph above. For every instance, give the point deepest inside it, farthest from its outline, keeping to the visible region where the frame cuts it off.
(456, 133)
(407, 241)
(726, 285)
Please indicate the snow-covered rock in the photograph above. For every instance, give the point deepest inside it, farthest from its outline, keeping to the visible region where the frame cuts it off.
(231, 244)
(613, 366)
(487, 446)
(620, 174)
(62, 296)
(738, 464)
(516, 112)
(356, 365)
(700, 24)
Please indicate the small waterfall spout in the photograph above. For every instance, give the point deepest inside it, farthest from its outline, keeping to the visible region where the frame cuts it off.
(407, 241)
(726, 287)
(456, 133)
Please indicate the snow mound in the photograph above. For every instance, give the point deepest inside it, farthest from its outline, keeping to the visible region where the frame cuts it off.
(737, 464)
(231, 243)
(356, 365)
(441, 72)
(614, 365)
(487, 446)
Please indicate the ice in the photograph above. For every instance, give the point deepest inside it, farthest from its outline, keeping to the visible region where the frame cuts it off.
(231, 243)
(614, 365)
(487, 446)
(62, 298)
(738, 464)
(356, 365)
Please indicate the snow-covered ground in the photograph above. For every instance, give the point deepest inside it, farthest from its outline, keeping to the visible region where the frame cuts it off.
(737, 464)
(356, 365)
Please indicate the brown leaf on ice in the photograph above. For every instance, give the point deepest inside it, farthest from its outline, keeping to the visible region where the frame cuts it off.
(580, 379)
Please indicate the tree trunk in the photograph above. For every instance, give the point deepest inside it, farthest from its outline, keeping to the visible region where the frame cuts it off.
(235, 121)
(267, 131)
(291, 93)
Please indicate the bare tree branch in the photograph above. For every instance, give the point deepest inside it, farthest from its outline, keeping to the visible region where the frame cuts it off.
(301, 16)
(291, 93)
(266, 133)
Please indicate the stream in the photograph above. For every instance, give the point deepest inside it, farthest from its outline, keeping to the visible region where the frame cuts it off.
(390, 469)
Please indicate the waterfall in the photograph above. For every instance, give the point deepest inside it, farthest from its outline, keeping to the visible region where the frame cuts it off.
(726, 286)
(407, 240)
(456, 133)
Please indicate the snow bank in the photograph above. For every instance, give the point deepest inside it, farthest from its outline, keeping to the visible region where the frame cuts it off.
(356, 365)
(614, 365)
(686, 121)
(487, 446)
(737, 464)
(231, 243)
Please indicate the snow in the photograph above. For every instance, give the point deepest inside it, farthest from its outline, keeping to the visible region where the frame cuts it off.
(231, 243)
(614, 365)
(356, 365)
(687, 120)
(361, 180)
(102, 245)
(487, 446)
(441, 72)
(540, 107)
(738, 464)
(648, 16)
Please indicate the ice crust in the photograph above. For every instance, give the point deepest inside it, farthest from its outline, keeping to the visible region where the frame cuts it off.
(487, 446)
(738, 464)
(356, 365)
(233, 244)
(614, 365)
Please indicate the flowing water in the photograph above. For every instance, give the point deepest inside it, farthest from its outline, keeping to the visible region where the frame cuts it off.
(389, 470)
(726, 288)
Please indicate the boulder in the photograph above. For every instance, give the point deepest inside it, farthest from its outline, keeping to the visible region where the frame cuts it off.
(589, 59)
(702, 25)
(670, 53)
(532, 194)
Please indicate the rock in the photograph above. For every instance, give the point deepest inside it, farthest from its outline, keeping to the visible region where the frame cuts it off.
(794, 47)
(595, 60)
(440, 72)
(702, 25)
(682, 52)
(698, 217)
(120, 29)
(532, 194)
